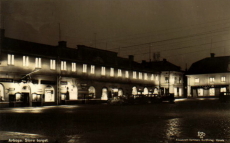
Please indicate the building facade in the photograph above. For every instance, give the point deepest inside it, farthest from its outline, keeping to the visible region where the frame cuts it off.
(209, 77)
(33, 74)
(170, 78)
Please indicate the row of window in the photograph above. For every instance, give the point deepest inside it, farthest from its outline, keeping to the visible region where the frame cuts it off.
(212, 79)
(176, 80)
(25, 63)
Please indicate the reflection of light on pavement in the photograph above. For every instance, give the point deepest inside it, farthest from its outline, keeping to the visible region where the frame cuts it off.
(5, 135)
(28, 110)
(74, 139)
(68, 106)
(172, 128)
(181, 99)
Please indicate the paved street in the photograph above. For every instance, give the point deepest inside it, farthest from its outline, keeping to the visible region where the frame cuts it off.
(118, 123)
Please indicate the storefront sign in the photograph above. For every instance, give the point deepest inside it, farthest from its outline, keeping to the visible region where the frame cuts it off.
(6, 80)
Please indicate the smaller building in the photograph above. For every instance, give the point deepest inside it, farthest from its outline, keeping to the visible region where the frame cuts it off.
(170, 79)
(209, 77)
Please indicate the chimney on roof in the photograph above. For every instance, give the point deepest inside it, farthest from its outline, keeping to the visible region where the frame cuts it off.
(131, 57)
(212, 55)
(164, 60)
(62, 44)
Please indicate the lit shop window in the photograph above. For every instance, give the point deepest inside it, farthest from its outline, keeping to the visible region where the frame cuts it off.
(119, 73)
(223, 89)
(167, 79)
(223, 78)
(111, 71)
(25, 61)
(152, 77)
(84, 68)
(102, 70)
(73, 67)
(197, 80)
(212, 91)
(10, 59)
(18, 97)
(92, 71)
(49, 94)
(127, 74)
(200, 91)
(145, 76)
(38, 63)
(52, 64)
(63, 65)
(135, 75)
(212, 79)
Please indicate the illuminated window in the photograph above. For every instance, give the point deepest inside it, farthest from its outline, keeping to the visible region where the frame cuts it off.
(25, 61)
(74, 67)
(212, 91)
(135, 75)
(200, 91)
(119, 73)
(52, 64)
(127, 74)
(111, 71)
(223, 78)
(10, 59)
(38, 63)
(197, 80)
(63, 65)
(152, 77)
(157, 78)
(180, 80)
(167, 79)
(140, 75)
(84, 68)
(223, 89)
(102, 70)
(211, 79)
(92, 70)
(145, 76)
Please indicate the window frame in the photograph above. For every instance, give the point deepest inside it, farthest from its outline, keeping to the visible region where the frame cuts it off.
(73, 67)
(63, 66)
(25, 61)
(10, 59)
(38, 62)
(52, 64)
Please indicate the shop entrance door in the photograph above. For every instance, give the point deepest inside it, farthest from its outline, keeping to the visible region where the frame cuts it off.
(25, 99)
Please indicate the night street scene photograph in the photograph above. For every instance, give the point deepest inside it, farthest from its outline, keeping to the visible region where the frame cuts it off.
(114, 71)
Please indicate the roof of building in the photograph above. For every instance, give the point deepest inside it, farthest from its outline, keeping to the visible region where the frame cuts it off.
(211, 65)
(81, 54)
(164, 66)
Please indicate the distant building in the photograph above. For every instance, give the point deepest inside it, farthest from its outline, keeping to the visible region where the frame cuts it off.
(33, 74)
(170, 79)
(209, 77)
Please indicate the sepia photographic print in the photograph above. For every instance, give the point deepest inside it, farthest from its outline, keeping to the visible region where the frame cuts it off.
(114, 71)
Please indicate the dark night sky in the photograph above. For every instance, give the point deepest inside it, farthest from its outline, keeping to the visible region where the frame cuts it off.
(183, 31)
